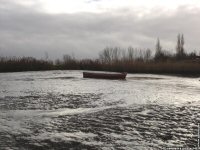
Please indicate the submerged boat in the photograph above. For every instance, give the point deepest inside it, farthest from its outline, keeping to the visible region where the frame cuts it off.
(111, 76)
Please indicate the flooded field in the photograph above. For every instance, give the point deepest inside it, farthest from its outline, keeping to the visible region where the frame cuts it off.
(61, 110)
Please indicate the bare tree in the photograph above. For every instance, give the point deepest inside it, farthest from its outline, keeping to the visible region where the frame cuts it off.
(158, 50)
(180, 52)
(67, 59)
(147, 55)
(58, 62)
(105, 55)
(110, 55)
(116, 54)
(130, 53)
(182, 44)
(178, 46)
(124, 55)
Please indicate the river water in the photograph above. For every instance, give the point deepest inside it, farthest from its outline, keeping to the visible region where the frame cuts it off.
(61, 110)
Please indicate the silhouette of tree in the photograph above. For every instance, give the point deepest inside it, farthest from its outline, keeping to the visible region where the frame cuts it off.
(158, 53)
(147, 55)
(180, 52)
(105, 55)
(178, 46)
(182, 44)
(130, 53)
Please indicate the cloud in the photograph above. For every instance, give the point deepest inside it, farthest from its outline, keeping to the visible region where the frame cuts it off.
(91, 1)
(26, 30)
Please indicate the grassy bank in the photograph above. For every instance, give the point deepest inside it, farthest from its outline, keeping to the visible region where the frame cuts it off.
(181, 67)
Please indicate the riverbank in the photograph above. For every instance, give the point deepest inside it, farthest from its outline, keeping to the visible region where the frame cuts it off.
(189, 68)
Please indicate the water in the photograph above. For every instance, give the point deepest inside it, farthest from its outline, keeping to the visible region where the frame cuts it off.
(61, 110)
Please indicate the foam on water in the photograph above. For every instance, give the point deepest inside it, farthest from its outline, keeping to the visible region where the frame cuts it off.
(60, 109)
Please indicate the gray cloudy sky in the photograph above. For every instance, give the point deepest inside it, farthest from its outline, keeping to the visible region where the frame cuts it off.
(85, 27)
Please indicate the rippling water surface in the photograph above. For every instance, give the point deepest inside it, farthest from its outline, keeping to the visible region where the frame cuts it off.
(61, 110)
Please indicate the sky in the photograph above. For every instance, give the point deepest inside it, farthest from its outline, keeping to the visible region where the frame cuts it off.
(83, 28)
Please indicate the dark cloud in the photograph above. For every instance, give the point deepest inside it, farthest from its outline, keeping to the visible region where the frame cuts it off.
(28, 31)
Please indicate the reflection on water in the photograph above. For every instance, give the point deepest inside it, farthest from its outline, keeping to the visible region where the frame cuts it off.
(61, 110)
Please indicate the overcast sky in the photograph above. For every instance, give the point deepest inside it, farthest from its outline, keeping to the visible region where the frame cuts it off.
(84, 27)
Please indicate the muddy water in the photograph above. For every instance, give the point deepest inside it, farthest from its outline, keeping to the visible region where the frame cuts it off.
(61, 110)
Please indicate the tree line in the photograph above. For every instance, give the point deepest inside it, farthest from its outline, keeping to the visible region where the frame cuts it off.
(117, 59)
(180, 54)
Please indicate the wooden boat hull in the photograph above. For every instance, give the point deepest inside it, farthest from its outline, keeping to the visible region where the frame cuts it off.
(111, 76)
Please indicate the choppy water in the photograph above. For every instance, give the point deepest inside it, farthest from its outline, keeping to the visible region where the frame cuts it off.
(61, 110)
